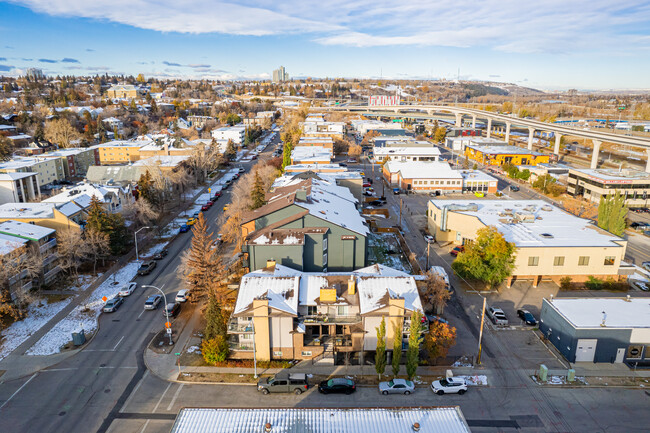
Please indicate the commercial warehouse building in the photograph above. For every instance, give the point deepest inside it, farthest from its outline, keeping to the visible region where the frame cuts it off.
(436, 177)
(612, 330)
(499, 155)
(593, 184)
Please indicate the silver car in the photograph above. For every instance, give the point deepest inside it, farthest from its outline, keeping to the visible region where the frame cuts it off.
(397, 386)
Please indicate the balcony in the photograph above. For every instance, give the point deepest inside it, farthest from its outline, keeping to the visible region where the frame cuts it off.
(47, 245)
(49, 259)
(240, 346)
(51, 275)
(331, 318)
(235, 327)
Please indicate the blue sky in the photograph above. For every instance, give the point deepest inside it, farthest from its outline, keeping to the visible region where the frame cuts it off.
(549, 44)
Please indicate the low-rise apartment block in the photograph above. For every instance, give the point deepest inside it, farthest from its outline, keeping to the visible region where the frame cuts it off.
(404, 154)
(19, 187)
(234, 133)
(326, 142)
(57, 216)
(75, 161)
(594, 184)
(550, 243)
(49, 170)
(301, 315)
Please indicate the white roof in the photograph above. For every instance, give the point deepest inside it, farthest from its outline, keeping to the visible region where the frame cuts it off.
(626, 175)
(16, 176)
(476, 175)
(375, 291)
(423, 169)
(549, 226)
(281, 291)
(314, 167)
(25, 230)
(311, 153)
(162, 160)
(81, 194)
(406, 151)
(588, 312)
(297, 420)
(10, 243)
(497, 150)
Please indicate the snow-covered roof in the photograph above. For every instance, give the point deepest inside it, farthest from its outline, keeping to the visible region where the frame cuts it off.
(405, 151)
(281, 292)
(10, 243)
(623, 176)
(311, 153)
(162, 160)
(27, 231)
(509, 150)
(16, 176)
(298, 420)
(423, 169)
(81, 194)
(375, 291)
(618, 312)
(316, 168)
(533, 223)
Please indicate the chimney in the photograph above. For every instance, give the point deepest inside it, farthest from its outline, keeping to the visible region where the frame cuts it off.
(267, 427)
(270, 263)
(352, 285)
(416, 426)
(328, 294)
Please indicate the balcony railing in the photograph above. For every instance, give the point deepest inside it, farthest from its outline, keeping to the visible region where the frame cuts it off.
(240, 346)
(49, 259)
(28, 286)
(47, 245)
(240, 327)
(49, 276)
(332, 318)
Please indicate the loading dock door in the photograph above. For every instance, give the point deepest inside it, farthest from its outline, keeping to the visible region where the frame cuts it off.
(586, 350)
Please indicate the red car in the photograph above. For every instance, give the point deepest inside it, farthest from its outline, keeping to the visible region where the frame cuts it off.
(366, 184)
(205, 207)
(457, 250)
(210, 203)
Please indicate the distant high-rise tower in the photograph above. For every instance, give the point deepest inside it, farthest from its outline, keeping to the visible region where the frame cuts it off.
(34, 74)
(280, 75)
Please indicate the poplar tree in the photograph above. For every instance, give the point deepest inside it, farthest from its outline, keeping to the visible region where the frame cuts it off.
(397, 349)
(415, 338)
(380, 354)
(612, 213)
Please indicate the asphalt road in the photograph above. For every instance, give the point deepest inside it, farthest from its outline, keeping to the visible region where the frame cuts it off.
(82, 393)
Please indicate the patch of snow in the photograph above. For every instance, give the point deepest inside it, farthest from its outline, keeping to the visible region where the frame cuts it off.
(193, 349)
(83, 316)
(83, 282)
(38, 314)
(262, 240)
(477, 380)
(557, 380)
(291, 240)
(462, 363)
(154, 250)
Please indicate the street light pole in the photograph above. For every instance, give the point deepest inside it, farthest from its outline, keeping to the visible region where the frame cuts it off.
(135, 236)
(480, 335)
(166, 312)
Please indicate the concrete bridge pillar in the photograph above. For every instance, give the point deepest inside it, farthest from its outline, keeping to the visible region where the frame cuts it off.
(459, 120)
(507, 132)
(647, 164)
(489, 127)
(531, 137)
(594, 155)
(556, 149)
(473, 121)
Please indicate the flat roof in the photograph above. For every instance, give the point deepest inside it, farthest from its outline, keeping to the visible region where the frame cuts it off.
(533, 223)
(423, 169)
(626, 175)
(9, 243)
(475, 175)
(497, 150)
(419, 151)
(15, 176)
(23, 230)
(320, 420)
(617, 312)
(302, 153)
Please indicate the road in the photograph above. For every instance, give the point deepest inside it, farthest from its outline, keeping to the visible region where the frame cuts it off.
(81, 394)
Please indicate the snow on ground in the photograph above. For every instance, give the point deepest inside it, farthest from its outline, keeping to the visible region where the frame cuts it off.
(154, 250)
(193, 349)
(475, 380)
(38, 314)
(83, 282)
(171, 229)
(203, 198)
(193, 192)
(83, 316)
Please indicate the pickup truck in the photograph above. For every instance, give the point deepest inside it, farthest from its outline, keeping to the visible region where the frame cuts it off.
(497, 316)
(282, 382)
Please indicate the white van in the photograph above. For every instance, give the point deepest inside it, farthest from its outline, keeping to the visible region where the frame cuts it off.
(182, 295)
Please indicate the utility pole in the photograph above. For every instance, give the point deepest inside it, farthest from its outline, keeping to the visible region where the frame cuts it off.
(428, 248)
(401, 201)
(480, 335)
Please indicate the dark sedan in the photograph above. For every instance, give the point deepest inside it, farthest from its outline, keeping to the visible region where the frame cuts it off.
(527, 317)
(337, 385)
(172, 308)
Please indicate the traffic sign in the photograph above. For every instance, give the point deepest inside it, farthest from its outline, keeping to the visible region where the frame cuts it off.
(209, 189)
(169, 330)
(168, 324)
(104, 298)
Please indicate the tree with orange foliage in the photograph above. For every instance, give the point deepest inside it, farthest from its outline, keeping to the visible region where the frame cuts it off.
(439, 340)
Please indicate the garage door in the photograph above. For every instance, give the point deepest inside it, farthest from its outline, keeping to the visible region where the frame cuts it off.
(586, 350)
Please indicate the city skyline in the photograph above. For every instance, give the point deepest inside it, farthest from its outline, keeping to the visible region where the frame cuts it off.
(584, 45)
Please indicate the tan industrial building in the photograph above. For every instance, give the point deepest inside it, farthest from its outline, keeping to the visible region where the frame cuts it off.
(593, 184)
(551, 243)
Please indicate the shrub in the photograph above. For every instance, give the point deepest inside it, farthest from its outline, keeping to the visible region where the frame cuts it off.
(565, 283)
(215, 349)
(593, 283)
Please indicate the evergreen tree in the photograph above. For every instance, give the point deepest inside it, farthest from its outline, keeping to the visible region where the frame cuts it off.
(415, 338)
(231, 150)
(380, 353)
(286, 154)
(216, 321)
(97, 216)
(257, 193)
(612, 213)
(397, 349)
(111, 224)
(203, 263)
(146, 189)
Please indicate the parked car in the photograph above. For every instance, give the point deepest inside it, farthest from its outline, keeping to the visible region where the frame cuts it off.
(282, 382)
(457, 250)
(375, 203)
(342, 164)
(184, 228)
(205, 207)
(429, 239)
(191, 221)
(161, 254)
(197, 213)
(639, 225)
(646, 266)
(397, 386)
(172, 308)
(514, 188)
(152, 302)
(242, 169)
(127, 290)
(366, 184)
(396, 191)
(182, 296)
(352, 160)
(113, 304)
(432, 318)
(497, 316)
(453, 385)
(225, 208)
(147, 267)
(527, 317)
(337, 385)
(641, 285)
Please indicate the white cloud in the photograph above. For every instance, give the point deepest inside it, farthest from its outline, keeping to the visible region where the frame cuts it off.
(555, 26)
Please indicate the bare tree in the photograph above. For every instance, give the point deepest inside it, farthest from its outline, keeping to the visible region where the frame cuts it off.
(61, 132)
(434, 291)
(141, 212)
(98, 245)
(72, 250)
(21, 263)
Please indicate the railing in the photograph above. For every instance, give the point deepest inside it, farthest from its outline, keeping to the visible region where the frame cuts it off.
(236, 327)
(49, 276)
(332, 318)
(49, 259)
(46, 246)
(28, 286)
(240, 346)
(18, 277)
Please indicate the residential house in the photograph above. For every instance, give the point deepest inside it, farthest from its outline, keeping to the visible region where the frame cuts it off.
(113, 198)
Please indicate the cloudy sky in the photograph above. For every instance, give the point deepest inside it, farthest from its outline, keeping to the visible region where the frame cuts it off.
(550, 44)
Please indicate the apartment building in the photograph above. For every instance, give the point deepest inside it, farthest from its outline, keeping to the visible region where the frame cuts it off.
(19, 235)
(319, 129)
(19, 187)
(120, 151)
(234, 133)
(308, 224)
(55, 216)
(124, 91)
(550, 243)
(591, 185)
(75, 161)
(458, 143)
(326, 142)
(49, 170)
(291, 314)
(333, 173)
(499, 155)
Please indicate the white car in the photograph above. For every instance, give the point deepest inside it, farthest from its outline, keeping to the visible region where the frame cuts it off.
(128, 289)
(453, 385)
(182, 295)
(429, 239)
(641, 285)
(646, 266)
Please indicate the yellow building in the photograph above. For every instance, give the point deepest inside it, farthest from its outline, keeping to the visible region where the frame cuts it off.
(499, 155)
(550, 242)
(119, 151)
(123, 91)
(56, 216)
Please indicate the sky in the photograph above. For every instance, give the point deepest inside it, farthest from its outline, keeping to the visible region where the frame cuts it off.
(546, 44)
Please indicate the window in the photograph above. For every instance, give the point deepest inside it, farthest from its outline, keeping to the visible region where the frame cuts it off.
(306, 353)
(558, 261)
(609, 260)
(342, 310)
(325, 259)
(312, 310)
(533, 261)
(583, 261)
(324, 244)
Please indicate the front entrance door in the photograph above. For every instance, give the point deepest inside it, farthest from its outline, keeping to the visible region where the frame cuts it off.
(586, 350)
(620, 355)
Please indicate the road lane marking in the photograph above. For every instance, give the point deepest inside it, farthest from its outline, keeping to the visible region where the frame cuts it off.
(141, 314)
(18, 390)
(118, 343)
(171, 403)
(144, 427)
(161, 397)
(137, 387)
